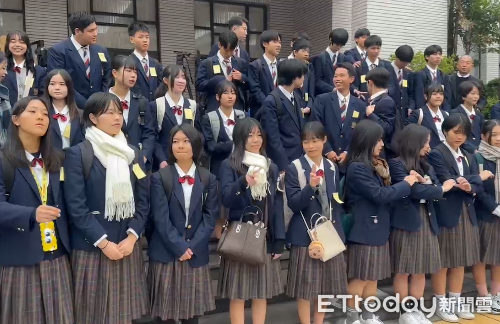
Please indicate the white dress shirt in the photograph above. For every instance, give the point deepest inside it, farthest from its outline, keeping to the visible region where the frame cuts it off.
(223, 64)
(273, 67)
(331, 53)
(469, 113)
(171, 103)
(457, 154)
(187, 189)
(288, 95)
(79, 47)
(376, 62)
(37, 170)
(361, 52)
(438, 123)
(375, 95)
(225, 119)
(63, 124)
(127, 100)
(432, 71)
(20, 78)
(318, 167)
(141, 58)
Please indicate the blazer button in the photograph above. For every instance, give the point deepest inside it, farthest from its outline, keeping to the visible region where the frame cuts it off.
(429, 214)
(341, 136)
(90, 87)
(188, 240)
(189, 226)
(238, 193)
(18, 229)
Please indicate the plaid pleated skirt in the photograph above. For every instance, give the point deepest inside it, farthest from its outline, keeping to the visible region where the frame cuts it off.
(308, 277)
(242, 281)
(369, 263)
(39, 294)
(109, 292)
(415, 252)
(178, 291)
(489, 234)
(459, 246)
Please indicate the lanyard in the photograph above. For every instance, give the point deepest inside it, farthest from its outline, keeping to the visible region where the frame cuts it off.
(43, 188)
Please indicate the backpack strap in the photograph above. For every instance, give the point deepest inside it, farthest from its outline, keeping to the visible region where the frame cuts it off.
(279, 104)
(214, 124)
(239, 114)
(160, 111)
(480, 161)
(300, 173)
(8, 171)
(87, 157)
(143, 106)
(420, 116)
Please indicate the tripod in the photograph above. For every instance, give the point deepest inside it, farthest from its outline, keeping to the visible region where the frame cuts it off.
(182, 59)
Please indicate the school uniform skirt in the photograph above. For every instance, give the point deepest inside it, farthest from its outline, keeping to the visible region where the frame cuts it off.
(369, 263)
(38, 294)
(106, 291)
(243, 281)
(179, 291)
(459, 246)
(308, 277)
(415, 252)
(489, 234)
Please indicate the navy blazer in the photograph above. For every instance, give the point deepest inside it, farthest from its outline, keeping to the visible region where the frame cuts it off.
(456, 99)
(495, 111)
(450, 207)
(207, 82)
(144, 86)
(307, 201)
(402, 95)
(485, 202)
(473, 139)
(85, 201)
(384, 114)
(170, 238)
(352, 55)
(236, 195)
(363, 70)
(10, 81)
(422, 79)
(427, 122)
(20, 243)
(324, 71)
(405, 212)
(243, 53)
(307, 88)
(369, 201)
(283, 133)
(260, 83)
(64, 55)
(77, 133)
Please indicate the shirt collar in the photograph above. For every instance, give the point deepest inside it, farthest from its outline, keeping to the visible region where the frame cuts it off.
(140, 57)
(291, 56)
(311, 163)
(341, 97)
(224, 117)
(462, 76)
(370, 62)
(360, 51)
(439, 113)
(127, 97)
(189, 173)
(268, 61)
(455, 154)
(77, 45)
(221, 59)
(431, 69)
(30, 157)
(330, 52)
(22, 65)
(468, 112)
(286, 93)
(378, 94)
(64, 111)
(171, 102)
(393, 63)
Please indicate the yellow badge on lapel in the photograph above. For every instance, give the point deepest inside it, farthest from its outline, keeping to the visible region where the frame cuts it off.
(28, 83)
(152, 71)
(306, 97)
(217, 69)
(67, 131)
(102, 57)
(61, 174)
(355, 114)
(138, 171)
(363, 79)
(336, 197)
(188, 113)
(405, 83)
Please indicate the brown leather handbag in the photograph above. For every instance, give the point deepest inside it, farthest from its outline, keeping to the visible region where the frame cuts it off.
(245, 242)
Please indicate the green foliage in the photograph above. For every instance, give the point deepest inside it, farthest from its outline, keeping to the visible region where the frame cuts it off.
(491, 92)
(418, 63)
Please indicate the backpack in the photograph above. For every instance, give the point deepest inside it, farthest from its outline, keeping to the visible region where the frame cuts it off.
(160, 110)
(215, 122)
(8, 171)
(279, 106)
(168, 182)
(480, 161)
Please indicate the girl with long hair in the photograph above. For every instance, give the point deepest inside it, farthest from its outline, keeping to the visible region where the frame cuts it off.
(5, 107)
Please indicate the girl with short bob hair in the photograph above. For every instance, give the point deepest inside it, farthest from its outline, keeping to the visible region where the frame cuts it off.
(107, 197)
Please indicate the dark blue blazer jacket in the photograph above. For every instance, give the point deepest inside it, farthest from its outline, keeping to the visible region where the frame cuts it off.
(473, 139)
(427, 122)
(385, 114)
(456, 99)
(77, 134)
(10, 82)
(363, 70)
(495, 111)
(324, 71)
(260, 82)
(307, 89)
(352, 55)
(144, 86)
(243, 53)
(422, 79)
(485, 202)
(402, 95)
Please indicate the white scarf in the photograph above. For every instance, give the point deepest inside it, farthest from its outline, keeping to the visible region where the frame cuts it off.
(115, 155)
(261, 164)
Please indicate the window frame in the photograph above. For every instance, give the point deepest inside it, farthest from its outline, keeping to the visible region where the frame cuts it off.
(17, 11)
(247, 5)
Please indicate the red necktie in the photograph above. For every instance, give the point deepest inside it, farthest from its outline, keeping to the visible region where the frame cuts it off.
(342, 109)
(472, 117)
(190, 180)
(230, 122)
(436, 119)
(229, 68)
(459, 159)
(400, 75)
(177, 110)
(36, 161)
(320, 173)
(124, 104)
(61, 116)
(434, 76)
(17, 69)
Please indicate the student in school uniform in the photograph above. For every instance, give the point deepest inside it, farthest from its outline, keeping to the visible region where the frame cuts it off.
(488, 213)
(306, 93)
(402, 79)
(248, 179)
(368, 195)
(430, 74)
(413, 241)
(5, 107)
(431, 116)
(169, 109)
(357, 54)
(87, 62)
(263, 72)
(66, 124)
(183, 220)
(149, 69)
(107, 197)
(24, 78)
(138, 126)
(220, 67)
(456, 216)
(326, 62)
(494, 111)
(283, 127)
(339, 112)
(238, 25)
(322, 182)
(296, 37)
(35, 273)
(465, 65)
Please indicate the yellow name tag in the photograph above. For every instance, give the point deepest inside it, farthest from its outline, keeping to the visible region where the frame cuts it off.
(188, 113)
(363, 78)
(152, 71)
(138, 171)
(216, 69)
(28, 83)
(102, 57)
(67, 131)
(405, 83)
(48, 233)
(61, 174)
(306, 97)
(355, 114)
(336, 197)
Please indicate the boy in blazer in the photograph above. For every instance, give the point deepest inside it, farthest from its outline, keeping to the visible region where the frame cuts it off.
(239, 26)
(464, 68)
(296, 37)
(358, 54)
(305, 94)
(87, 63)
(402, 80)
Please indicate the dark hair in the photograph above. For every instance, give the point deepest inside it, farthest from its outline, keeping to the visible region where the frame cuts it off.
(373, 40)
(98, 104)
(362, 32)
(170, 72)
(136, 27)
(433, 49)
(226, 85)
(299, 35)
(433, 88)
(289, 70)
(364, 138)
(241, 131)
(2, 57)
(228, 40)
(70, 98)
(28, 56)
(13, 147)
(123, 62)
(269, 36)
(194, 138)
(454, 120)
(405, 53)
(409, 143)
(349, 67)
(379, 76)
(237, 21)
(301, 43)
(488, 128)
(80, 20)
(313, 130)
(466, 87)
(338, 36)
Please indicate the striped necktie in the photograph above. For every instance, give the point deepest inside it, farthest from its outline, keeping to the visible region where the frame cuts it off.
(146, 67)
(343, 109)
(86, 60)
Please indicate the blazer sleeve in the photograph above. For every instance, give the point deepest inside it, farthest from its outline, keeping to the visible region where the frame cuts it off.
(495, 111)
(203, 83)
(214, 147)
(41, 73)
(141, 197)
(298, 198)
(256, 93)
(106, 71)
(233, 192)
(321, 85)
(385, 115)
(270, 124)
(418, 90)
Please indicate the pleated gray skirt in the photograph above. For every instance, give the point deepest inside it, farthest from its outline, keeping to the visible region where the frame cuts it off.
(369, 263)
(489, 234)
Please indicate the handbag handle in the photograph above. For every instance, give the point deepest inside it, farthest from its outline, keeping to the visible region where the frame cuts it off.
(305, 222)
(258, 209)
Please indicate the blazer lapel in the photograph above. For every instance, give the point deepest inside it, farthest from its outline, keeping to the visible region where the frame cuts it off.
(54, 125)
(75, 55)
(28, 176)
(54, 179)
(141, 67)
(306, 167)
(336, 109)
(169, 113)
(178, 192)
(349, 113)
(11, 75)
(269, 76)
(222, 136)
(290, 108)
(74, 127)
(133, 112)
(450, 160)
(95, 62)
(196, 194)
(453, 81)
(330, 175)
(329, 60)
(428, 118)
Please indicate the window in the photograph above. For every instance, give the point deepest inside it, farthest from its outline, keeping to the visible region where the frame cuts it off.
(211, 17)
(11, 17)
(113, 18)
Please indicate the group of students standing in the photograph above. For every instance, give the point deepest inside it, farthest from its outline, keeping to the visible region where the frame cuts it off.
(87, 170)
